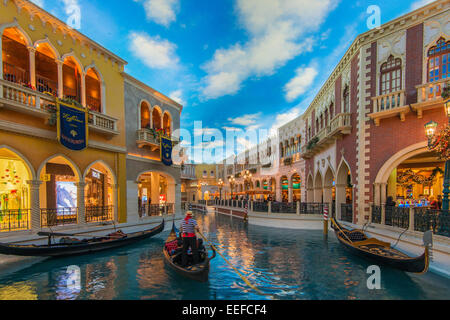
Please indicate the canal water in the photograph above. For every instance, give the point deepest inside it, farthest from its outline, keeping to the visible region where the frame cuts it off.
(284, 264)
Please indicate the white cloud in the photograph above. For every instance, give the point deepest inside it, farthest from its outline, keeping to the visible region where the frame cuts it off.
(153, 51)
(303, 79)
(177, 96)
(283, 118)
(162, 12)
(278, 32)
(245, 120)
(420, 4)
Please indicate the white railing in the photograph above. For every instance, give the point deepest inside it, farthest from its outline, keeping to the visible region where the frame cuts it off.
(102, 121)
(342, 120)
(146, 136)
(24, 97)
(431, 91)
(389, 101)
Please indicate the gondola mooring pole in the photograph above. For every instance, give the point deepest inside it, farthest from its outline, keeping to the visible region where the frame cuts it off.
(325, 220)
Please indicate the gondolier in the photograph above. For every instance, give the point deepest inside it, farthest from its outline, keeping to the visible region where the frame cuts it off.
(188, 228)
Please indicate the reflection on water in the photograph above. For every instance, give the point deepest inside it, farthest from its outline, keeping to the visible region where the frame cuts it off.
(284, 264)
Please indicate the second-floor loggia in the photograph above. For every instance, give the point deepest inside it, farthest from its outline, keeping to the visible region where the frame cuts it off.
(32, 76)
(153, 124)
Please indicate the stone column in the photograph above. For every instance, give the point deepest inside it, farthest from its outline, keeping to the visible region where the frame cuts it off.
(318, 195)
(32, 54)
(291, 194)
(132, 201)
(278, 194)
(35, 205)
(383, 195)
(60, 64)
(376, 194)
(116, 203)
(81, 203)
(269, 210)
(340, 199)
(83, 89)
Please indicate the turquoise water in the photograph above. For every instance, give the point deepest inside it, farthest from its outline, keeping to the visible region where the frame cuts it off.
(284, 264)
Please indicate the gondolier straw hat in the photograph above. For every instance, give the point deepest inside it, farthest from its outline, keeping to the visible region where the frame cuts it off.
(189, 213)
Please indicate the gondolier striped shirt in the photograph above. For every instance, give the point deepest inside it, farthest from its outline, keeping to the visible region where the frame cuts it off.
(188, 227)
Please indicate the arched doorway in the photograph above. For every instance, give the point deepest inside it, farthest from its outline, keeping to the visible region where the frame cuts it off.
(344, 193)
(99, 193)
(318, 188)
(416, 181)
(329, 189)
(15, 203)
(59, 192)
(310, 189)
(156, 194)
(284, 182)
(296, 188)
(15, 56)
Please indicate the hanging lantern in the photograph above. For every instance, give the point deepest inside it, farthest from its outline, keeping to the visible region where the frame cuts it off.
(430, 129)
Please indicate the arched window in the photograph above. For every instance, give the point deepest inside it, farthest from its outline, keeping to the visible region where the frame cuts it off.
(346, 100)
(156, 116)
(15, 56)
(391, 75)
(46, 69)
(331, 111)
(145, 115)
(167, 124)
(72, 79)
(439, 61)
(93, 91)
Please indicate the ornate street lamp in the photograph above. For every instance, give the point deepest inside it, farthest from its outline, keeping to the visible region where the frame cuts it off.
(430, 131)
(220, 183)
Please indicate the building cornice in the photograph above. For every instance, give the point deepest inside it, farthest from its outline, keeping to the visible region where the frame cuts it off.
(47, 18)
(155, 93)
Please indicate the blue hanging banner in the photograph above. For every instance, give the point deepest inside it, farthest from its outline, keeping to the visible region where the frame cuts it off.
(72, 124)
(166, 151)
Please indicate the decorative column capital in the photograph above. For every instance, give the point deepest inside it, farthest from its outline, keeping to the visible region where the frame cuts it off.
(34, 183)
(31, 49)
(81, 184)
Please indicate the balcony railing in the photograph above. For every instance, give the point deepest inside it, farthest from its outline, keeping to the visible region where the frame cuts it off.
(151, 210)
(99, 214)
(58, 217)
(44, 84)
(14, 220)
(397, 217)
(26, 100)
(431, 92)
(339, 126)
(147, 138)
(102, 123)
(389, 105)
(429, 96)
(15, 74)
(20, 98)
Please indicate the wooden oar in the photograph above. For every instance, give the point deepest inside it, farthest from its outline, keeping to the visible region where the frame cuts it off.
(236, 270)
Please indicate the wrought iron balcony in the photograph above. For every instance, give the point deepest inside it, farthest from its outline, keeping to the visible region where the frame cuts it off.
(388, 106)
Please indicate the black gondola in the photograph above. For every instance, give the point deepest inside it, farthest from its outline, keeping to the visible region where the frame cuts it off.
(199, 272)
(69, 246)
(357, 242)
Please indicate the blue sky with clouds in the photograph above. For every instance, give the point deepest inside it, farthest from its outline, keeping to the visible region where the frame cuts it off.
(246, 64)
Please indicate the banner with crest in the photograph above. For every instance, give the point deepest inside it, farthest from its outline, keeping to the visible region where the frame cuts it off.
(72, 126)
(166, 151)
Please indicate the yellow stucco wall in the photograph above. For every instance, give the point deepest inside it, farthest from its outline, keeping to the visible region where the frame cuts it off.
(36, 149)
(111, 73)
